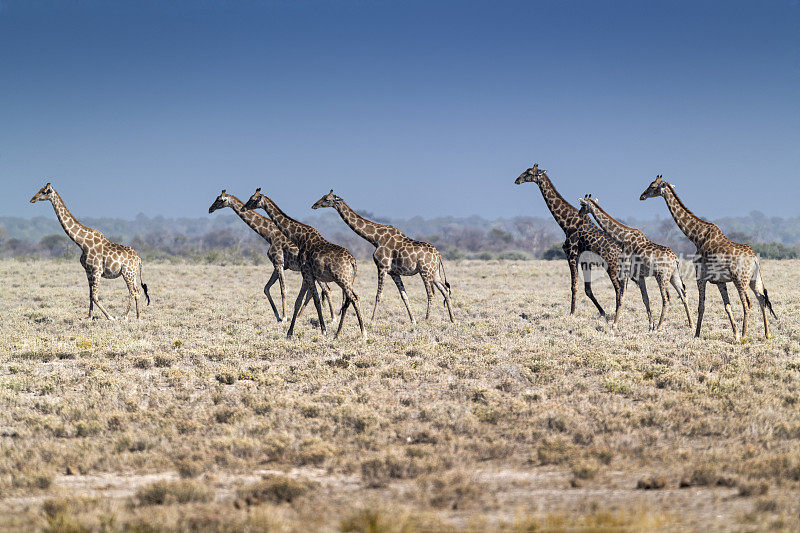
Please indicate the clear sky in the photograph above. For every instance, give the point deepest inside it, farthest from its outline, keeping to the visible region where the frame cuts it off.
(404, 108)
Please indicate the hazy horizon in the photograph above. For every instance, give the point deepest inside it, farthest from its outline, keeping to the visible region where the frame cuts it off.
(404, 109)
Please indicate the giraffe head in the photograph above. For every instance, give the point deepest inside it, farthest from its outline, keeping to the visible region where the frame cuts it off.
(533, 174)
(656, 188)
(223, 200)
(254, 201)
(329, 200)
(45, 193)
(587, 204)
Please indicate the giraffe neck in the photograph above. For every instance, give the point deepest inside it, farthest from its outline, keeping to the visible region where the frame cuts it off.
(258, 223)
(564, 213)
(615, 228)
(302, 235)
(691, 225)
(70, 224)
(365, 228)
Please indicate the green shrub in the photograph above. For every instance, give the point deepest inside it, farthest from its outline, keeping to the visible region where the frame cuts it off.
(775, 250)
(554, 252)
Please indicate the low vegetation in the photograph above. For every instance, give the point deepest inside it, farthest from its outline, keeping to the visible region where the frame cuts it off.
(202, 416)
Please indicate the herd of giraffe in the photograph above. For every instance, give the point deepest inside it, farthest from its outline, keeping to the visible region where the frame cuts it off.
(624, 252)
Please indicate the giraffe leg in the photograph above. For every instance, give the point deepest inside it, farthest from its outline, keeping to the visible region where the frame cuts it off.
(272, 279)
(353, 298)
(282, 283)
(587, 288)
(400, 287)
(317, 303)
(646, 301)
(381, 276)
(429, 291)
(95, 291)
(662, 286)
(305, 303)
(677, 283)
(130, 281)
(618, 292)
(90, 278)
(757, 286)
(742, 289)
(345, 305)
(136, 300)
(701, 304)
(326, 296)
(297, 304)
(437, 282)
(573, 272)
(723, 291)
(439, 285)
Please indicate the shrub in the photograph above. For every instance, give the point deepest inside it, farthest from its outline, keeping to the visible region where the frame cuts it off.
(775, 250)
(652, 483)
(275, 489)
(170, 492)
(554, 252)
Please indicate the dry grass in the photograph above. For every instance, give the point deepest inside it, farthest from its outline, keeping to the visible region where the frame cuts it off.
(518, 417)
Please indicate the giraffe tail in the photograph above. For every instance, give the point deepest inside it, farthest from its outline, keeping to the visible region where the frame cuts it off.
(444, 276)
(144, 286)
(769, 304)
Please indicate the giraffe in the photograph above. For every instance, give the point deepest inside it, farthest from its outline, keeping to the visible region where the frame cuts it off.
(396, 255)
(320, 260)
(581, 236)
(282, 252)
(718, 260)
(100, 257)
(649, 259)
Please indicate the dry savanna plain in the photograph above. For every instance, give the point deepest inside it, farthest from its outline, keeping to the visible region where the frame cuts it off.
(203, 416)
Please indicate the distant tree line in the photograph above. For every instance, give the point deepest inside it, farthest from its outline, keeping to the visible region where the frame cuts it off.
(224, 238)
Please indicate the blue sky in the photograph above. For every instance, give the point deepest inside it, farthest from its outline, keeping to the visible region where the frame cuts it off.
(404, 108)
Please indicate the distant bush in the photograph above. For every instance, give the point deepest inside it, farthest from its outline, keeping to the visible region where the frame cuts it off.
(513, 256)
(274, 488)
(170, 492)
(775, 250)
(554, 252)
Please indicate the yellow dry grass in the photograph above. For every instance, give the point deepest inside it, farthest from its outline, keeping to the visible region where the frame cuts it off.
(519, 417)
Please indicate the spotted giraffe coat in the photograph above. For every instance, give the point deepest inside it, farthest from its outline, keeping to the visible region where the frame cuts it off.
(395, 254)
(581, 236)
(282, 252)
(100, 257)
(719, 260)
(321, 261)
